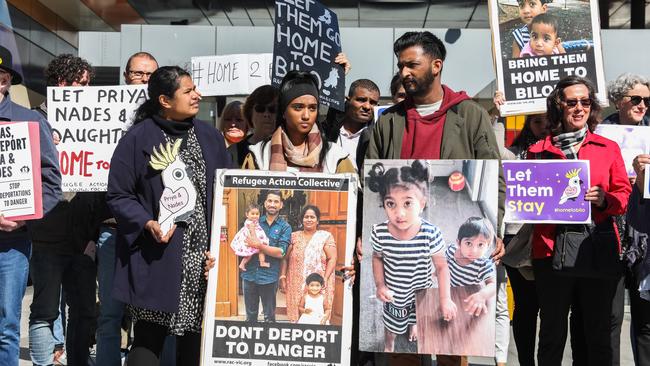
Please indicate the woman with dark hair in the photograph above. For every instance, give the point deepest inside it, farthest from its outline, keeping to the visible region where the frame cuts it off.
(311, 251)
(159, 272)
(232, 124)
(259, 112)
(590, 284)
(298, 143)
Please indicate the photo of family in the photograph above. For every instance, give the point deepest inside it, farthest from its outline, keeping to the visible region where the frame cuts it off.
(427, 282)
(539, 42)
(279, 250)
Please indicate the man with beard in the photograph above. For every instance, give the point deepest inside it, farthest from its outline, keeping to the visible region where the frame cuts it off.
(261, 283)
(352, 132)
(433, 122)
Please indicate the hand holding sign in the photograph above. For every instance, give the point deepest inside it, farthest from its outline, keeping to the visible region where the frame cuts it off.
(154, 229)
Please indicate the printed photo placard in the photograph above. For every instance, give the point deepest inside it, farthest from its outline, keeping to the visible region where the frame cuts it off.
(428, 284)
(276, 292)
(547, 191)
(539, 42)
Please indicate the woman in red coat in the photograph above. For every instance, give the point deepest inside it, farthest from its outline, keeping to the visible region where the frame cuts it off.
(572, 110)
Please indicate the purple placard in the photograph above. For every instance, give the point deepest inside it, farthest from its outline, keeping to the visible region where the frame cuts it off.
(547, 191)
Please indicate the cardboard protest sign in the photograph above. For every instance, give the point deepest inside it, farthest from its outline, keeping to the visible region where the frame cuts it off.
(633, 141)
(89, 121)
(20, 171)
(237, 74)
(537, 45)
(547, 191)
(307, 38)
(309, 320)
(429, 228)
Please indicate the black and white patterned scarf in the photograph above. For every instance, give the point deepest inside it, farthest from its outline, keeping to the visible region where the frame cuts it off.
(568, 141)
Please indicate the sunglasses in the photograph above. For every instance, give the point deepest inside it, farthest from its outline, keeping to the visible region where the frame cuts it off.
(264, 108)
(585, 103)
(636, 99)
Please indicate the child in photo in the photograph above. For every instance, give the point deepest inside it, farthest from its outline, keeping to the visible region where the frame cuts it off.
(470, 265)
(528, 9)
(405, 249)
(251, 227)
(544, 39)
(312, 308)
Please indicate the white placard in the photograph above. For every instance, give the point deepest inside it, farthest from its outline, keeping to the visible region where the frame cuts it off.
(236, 74)
(646, 191)
(89, 121)
(633, 141)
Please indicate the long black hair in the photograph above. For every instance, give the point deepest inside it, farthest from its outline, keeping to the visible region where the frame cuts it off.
(294, 80)
(164, 81)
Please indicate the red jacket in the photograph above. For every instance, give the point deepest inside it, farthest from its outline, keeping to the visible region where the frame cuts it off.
(606, 169)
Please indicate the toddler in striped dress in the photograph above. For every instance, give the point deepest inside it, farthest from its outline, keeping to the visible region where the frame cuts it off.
(469, 264)
(405, 249)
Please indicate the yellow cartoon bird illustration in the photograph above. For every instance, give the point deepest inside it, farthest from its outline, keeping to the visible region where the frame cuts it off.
(572, 191)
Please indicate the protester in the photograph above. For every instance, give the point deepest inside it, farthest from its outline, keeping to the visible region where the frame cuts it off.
(15, 243)
(259, 113)
(572, 110)
(160, 274)
(64, 253)
(433, 122)
(138, 70)
(232, 123)
(637, 257)
(397, 91)
(300, 141)
(352, 132)
(311, 251)
(631, 95)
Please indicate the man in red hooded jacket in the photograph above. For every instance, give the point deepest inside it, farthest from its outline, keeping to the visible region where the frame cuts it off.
(433, 122)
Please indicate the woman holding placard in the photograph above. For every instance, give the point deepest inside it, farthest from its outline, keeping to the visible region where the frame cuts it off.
(588, 283)
(631, 95)
(160, 190)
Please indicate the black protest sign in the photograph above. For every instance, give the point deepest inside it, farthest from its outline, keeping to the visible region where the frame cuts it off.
(535, 77)
(307, 38)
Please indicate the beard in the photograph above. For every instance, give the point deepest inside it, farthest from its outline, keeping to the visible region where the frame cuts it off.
(419, 86)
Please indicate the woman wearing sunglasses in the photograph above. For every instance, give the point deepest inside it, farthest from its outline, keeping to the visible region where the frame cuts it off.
(259, 113)
(588, 287)
(631, 95)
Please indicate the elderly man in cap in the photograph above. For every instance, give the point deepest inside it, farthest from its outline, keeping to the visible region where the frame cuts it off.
(15, 245)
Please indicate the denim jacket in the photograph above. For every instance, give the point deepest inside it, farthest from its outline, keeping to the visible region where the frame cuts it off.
(279, 233)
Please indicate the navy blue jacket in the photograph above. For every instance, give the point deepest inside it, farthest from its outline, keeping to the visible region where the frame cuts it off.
(50, 173)
(148, 274)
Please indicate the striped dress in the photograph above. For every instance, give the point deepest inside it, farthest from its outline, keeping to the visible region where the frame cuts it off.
(522, 36)
(408, 267)
(475, 273)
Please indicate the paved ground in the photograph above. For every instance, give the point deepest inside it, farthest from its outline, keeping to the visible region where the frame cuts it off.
(626, 352)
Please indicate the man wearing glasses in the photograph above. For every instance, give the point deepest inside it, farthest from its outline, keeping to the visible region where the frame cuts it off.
(139, 68)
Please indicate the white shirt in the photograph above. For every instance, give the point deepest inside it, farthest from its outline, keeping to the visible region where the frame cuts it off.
(428, 109)
(349, 142)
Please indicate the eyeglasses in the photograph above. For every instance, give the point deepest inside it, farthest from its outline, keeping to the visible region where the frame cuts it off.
(139, 74)
(259, 108)
(571, 103)
(636, 99)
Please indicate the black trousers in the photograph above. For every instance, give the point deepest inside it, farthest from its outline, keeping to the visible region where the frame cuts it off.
(578, 344)
(148, 344)
(640, 311)
(524, 317)
(592, 297)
